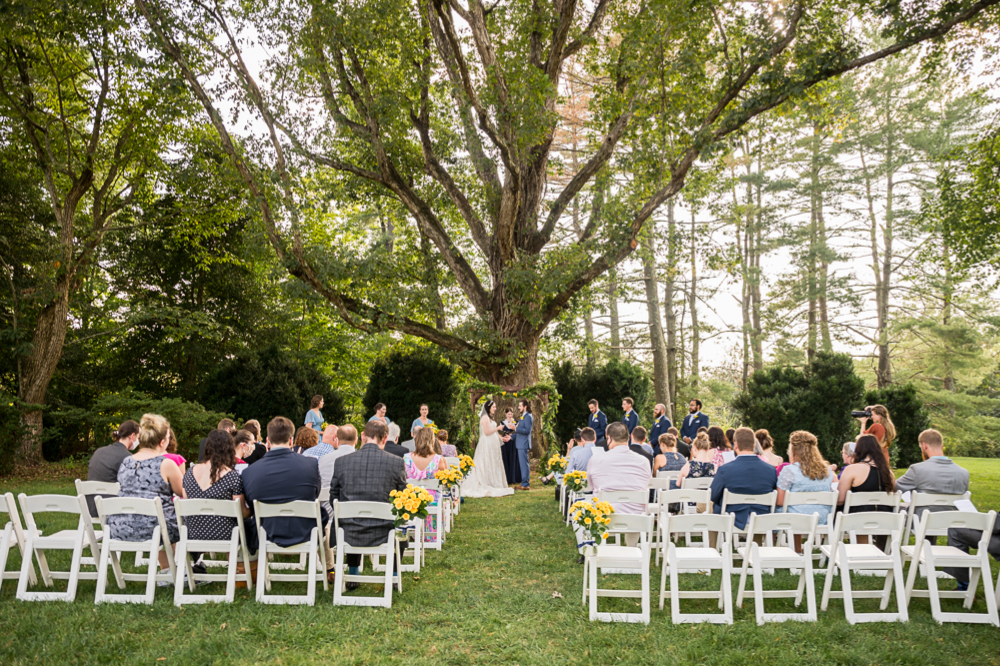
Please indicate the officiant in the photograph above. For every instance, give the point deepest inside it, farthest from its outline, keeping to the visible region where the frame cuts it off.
(511, 466)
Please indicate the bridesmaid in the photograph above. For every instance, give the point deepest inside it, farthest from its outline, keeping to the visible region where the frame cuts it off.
(423, 421)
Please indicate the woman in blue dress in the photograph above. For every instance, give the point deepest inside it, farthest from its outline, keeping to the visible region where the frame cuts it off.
(423, 421)
(314, 417)
(380, 415)
(806, 472)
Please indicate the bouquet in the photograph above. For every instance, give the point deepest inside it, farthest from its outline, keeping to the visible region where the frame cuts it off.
(575, 481)
(449, 478)
(592, 517)
(410, 503)
(557, 463)
(465, 464)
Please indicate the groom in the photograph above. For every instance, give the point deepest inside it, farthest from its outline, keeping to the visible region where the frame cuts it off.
(522, 441)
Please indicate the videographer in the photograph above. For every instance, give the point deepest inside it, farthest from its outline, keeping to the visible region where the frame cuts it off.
(881, 428)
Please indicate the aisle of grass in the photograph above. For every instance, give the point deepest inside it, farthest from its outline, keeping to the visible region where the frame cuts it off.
(506, 590)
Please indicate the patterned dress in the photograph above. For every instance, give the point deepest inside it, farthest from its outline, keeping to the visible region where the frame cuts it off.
(213, 528)
(414, 472)
(142, 478)
(792, 479)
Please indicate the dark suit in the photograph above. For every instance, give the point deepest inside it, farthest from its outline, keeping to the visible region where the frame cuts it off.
(280, 477)
(367, 475)
(642, 452)
(631, 420)
(660, 427)
(522, 443)
(747, 474)
(599, 422)
(396, 449)
(963, 539)
(691, 424)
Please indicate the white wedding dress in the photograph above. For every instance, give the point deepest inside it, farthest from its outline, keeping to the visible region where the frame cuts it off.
(487, 478)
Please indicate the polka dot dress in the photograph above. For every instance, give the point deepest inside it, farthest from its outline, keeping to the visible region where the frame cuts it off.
(214, 528)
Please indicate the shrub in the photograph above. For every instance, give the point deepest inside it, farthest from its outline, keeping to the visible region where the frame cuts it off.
(406, 378)
(819, 399)
(908, 415)
(607, 384)
(189, 420)
(12, 431)
(980, 448)
(271, 382)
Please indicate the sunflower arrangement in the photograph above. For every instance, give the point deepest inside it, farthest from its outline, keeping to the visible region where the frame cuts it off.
(410, 503)
(449, 478)
(592, 517)
(575, 481)
(465, 464)
(557, 463)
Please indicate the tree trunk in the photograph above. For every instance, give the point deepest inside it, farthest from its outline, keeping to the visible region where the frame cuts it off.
(947, 295)
(826, 343)
(616, 344)
(661, 382)
(433, 288)
(668, 307)
(756, 235)
(693, 304)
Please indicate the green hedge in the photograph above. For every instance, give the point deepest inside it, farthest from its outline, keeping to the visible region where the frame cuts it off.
(607, 384)
(405, 378)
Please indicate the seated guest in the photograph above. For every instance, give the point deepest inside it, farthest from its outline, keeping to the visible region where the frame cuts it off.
(806, 472)
(344, 440)
(224, 424)
(964, 539)
(325, 444)
(580, 455)
(668, 459)
(217, 479)
(259, 449)
(683, 447)
(394, 448)
(869, 473)
(937, 474)
(747, 474)
(447, 450)
(720, 445)
(393, 436)
(730, 433)
(621, 468)
(557, 477)
(411, 444)
(847, 455)
(280, 477)
(146, 473)
(106, 460)
(243, 445)
(368, 475)
(171, 452)
(638, 445)
(305, 439)
(423, 464)
(767, 447)
(701, 464)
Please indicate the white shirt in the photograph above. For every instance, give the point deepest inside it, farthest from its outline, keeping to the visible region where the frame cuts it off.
(620, 469)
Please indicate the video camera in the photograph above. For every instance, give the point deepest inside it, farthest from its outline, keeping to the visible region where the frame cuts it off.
(861, 414)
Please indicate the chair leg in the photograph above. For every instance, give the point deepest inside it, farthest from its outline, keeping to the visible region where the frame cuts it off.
(311, 563)
(663, 582)
(932, 588)
(991, 602)
(234, 547)
(758, 584)
(645, 591)
(743, 584)
(675, 600)
(911, 575)
(845, 584)
(102, 572)
(4, 550)
(592, 570)
(886, 590)
(828, 583)
(154, 565)
(810, 589)
(727, 592)
(897, 573)
(262, 580)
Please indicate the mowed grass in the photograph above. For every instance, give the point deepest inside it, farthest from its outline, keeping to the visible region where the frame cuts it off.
(505, 590)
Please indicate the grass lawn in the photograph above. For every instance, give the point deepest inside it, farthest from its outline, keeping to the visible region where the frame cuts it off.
(506, 590)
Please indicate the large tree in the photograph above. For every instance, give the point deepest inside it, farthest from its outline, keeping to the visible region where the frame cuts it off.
(444, 114)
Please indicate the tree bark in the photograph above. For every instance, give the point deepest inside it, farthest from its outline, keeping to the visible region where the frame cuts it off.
(661, 379)
(668, 306)
(693, 304)
(616, 343)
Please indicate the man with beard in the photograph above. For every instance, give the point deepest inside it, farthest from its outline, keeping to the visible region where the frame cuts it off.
(694, 420)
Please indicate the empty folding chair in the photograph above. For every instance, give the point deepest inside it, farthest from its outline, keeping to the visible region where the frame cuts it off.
(36, 544)
(89, 490)
(110, 549)
(827, 498)
(933, 557)
(312, 548)
(758, 558)
(13, 533)
(613, 558)
(434, 539)
(679, 560)
(866, 557)
(684, 497)
(730, 498)
(234, 547)
(389, 549)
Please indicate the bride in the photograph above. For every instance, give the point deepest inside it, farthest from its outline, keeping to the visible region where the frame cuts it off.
(487, 478)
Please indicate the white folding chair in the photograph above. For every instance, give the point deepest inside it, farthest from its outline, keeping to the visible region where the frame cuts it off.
(456, 494)
(437, 537)
(729, 498)
(12, 533)
(933, 557)
(826, 498)
(758, 558)
(658, 484)
(414, 536)
(684, 497)
(618, 497)
(866, 557)
(91, 488)
(110, 549)
(313, 548)
(679, 560)
(933, 502)
(610, 558)
(390, 549)
(234, 547)
(700, 483)
(36, 544)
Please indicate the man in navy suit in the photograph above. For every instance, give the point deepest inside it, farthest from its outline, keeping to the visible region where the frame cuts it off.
(630, 419)
(283, 476)
(660, 424)
(599, 422)
(693, 421)
(748, 474)
(522, 441)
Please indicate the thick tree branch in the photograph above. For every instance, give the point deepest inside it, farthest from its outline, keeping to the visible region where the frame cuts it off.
(588, 33)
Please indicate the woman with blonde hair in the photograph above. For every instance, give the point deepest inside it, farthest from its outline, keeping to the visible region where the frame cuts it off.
(806, 472)
(148, 474)
(882, 427)
(701, 464)
(422, 464)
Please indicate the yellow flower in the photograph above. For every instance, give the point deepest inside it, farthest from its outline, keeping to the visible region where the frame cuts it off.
(587, 520)
(406, 516)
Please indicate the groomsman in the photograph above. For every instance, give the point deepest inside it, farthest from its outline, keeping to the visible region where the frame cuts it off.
(630, 419)
(660, 424)
(694, 420)
(599, 422)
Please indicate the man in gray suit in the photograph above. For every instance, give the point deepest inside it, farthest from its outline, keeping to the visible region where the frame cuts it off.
(368, 475)
(938, 474)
